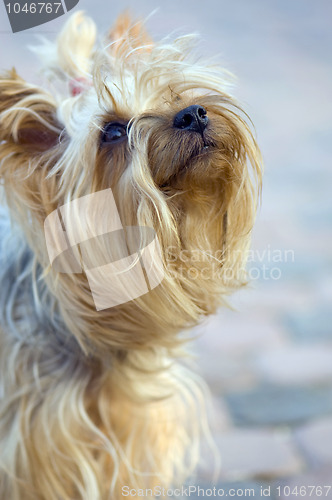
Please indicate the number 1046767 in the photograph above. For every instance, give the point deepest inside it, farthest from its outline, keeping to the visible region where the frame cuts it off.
(33, 8)
(303, 491)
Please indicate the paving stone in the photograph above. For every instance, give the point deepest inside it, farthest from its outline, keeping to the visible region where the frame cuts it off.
(218, 415)
(315, 439)
(325, 289)
(320, 479)
(257, 453)
(235, 333)
(227, 373)
(304, 269)
(310, 326)
(296, 365)
(272, 303)
(273, 405)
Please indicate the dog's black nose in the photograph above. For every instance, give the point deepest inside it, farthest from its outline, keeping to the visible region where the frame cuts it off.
(193, 118)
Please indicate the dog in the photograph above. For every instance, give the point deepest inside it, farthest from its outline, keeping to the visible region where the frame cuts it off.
(134, 153)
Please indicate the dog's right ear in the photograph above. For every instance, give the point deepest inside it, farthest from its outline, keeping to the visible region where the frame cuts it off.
(28, 123)
(29, 145)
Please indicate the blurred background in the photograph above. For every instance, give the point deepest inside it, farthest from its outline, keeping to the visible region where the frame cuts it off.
(268, 362)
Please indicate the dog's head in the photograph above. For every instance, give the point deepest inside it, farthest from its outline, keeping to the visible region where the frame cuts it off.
(153, 131)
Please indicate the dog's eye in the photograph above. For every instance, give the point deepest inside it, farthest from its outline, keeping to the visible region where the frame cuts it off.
(114, 132)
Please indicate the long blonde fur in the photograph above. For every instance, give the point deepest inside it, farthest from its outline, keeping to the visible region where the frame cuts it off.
(95, 400)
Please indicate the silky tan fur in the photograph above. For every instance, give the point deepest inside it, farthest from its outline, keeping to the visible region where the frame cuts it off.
(95, 400)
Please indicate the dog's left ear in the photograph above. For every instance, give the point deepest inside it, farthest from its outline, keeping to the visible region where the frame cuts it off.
(127, 35)
(28, 123)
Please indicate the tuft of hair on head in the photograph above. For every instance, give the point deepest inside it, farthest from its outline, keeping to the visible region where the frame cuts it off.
(71, 55)
(128, 35)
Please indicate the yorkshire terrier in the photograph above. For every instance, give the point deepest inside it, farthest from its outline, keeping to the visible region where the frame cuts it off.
(135, 149)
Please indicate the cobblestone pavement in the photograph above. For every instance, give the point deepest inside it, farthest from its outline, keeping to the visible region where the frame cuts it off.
(269, 362)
